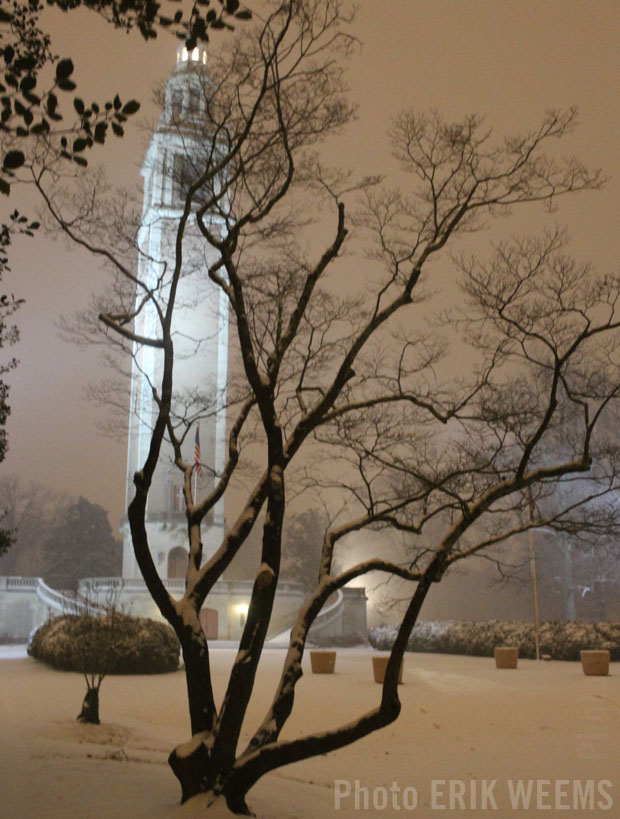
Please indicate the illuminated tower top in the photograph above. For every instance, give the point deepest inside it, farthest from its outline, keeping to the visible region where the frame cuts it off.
(196, 55)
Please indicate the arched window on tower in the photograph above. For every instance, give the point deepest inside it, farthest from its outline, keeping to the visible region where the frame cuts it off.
(176, 503)
(176, 105)
(183, 174)
(184, 171)
(194, 101)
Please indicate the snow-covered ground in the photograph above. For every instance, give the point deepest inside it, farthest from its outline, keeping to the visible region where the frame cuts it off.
(467, 731)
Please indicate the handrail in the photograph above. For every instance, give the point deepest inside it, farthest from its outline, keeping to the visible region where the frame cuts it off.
(329, 614)
(178, 583)
(326, 616)
(62, 603)
(12, 583)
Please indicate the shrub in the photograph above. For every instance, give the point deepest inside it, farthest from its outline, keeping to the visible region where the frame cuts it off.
(562, 641)
(112, 644)
(338, 641)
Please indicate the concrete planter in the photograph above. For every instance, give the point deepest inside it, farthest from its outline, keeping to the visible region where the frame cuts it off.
(595, 662)
(379, 664)
(323, 662)
(506, 656)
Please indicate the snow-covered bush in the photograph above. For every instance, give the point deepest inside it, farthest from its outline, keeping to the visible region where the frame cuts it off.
(562, 641)
(113, 644)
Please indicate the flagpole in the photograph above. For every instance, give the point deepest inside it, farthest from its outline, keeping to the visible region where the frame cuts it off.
(533, 573)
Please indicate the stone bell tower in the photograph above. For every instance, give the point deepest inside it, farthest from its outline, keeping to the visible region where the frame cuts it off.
(175, 156)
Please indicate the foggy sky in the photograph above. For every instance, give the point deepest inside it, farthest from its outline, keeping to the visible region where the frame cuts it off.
(509, 60)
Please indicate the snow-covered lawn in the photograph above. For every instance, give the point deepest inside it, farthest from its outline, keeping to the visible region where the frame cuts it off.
(462, 721)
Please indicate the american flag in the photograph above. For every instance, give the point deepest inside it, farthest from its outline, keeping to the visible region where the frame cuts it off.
(197, 462)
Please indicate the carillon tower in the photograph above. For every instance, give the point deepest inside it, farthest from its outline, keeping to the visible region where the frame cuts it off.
(176, 155)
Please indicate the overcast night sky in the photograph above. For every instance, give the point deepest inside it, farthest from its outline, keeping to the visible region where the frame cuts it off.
(509, 60)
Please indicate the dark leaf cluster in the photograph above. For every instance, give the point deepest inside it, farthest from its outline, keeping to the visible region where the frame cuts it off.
(27, 111)
(8, 334)
(147, 16)
(19, 224)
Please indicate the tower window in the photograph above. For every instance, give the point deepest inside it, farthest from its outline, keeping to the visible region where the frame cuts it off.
(194, 100)
(176, 499)
(177, 105)
(183, 174)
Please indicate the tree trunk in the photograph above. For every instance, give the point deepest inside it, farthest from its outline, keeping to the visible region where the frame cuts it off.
(201, 767)
(197, 773)
(90, 707)
(191, 763)
(198, 678)
(192, 771)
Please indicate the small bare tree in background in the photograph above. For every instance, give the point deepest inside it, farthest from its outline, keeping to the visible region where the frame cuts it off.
(87, 638)
(339, 359)
(95, 638)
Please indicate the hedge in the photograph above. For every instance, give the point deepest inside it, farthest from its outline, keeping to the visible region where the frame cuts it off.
(559, 640)
(112, 644)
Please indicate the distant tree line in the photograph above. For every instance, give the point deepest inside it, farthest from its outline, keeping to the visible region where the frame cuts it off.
(56, 537)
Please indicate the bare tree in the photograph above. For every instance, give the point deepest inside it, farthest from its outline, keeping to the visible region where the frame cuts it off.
(30, 511)
(513, 447)
(575, 554)
(363, 374)
(94, 636)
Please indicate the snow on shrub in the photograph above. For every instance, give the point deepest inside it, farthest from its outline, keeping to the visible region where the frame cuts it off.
(113, 644)
(562, 641)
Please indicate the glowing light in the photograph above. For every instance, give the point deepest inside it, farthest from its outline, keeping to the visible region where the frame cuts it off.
(197, 55)
(242, 608)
